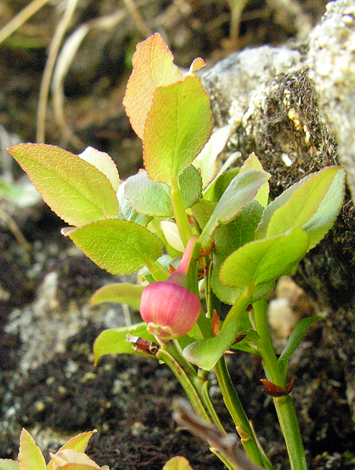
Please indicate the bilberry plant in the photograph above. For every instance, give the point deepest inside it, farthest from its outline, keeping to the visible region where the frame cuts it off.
(234, 242)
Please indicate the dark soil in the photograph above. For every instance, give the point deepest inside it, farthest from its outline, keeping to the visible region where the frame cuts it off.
(128, 399)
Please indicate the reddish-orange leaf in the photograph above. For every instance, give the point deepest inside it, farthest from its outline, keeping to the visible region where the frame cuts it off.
(152, 67)
(275, 390)
(216, 324)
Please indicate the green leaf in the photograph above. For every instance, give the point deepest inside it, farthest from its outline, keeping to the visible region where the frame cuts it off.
(118, 246)
(202, 211)
(296, 336)
(240, 191)
(147, 197)
(219, 185)
(324, 218)
(190, 183)
(253, 163)
(207, 352)
(122, 293)
(114, 341)
(178, 126)
(297, 205)
(30, 456)
(126, 211)
(303, 204)
(228, 238)
(7, 464)
(261, 262)
(73, 188)
(78, 443)
(154, 199)
(177, 463)
(271, 208)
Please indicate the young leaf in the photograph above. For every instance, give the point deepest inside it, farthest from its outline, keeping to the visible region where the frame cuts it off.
(253, 163)
(177, 463)
(30, 457)
(196, 65)
(228, 238)
(7, 464)
(122, 293)
(296, 336)
(103, 162)
(261, 262)
(114, 341)
(303, 204)
(73, 460)
(79, 466)
(172, 235)
(154, 199)
(240, 191)
(74, 189)
(152, 67)
(78, 443)
(206, 161)
(118, 246)
(178, 126)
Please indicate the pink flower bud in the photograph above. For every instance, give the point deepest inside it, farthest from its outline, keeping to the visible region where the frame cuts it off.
(170, 310)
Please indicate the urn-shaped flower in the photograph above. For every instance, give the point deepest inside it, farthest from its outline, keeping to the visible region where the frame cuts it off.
(170, 309)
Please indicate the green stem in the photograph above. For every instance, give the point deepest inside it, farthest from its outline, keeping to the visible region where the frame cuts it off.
(180, 213)
(266, 348)
(221, 457)
(284, 405)
(238, 310)
(236, 410)
(184, 377)
(195, 390)
(208, 403)
(286, 414)
(184, 369)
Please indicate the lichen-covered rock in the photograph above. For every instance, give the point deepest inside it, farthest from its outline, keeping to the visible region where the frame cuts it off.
(294, 106)
(332, 69)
